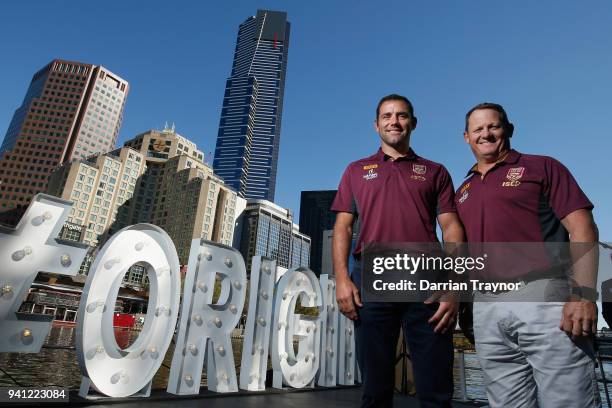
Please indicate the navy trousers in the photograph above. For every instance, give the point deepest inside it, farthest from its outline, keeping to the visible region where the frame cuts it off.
(377, 332)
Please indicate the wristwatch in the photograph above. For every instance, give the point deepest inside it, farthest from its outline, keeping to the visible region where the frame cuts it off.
(584, 292)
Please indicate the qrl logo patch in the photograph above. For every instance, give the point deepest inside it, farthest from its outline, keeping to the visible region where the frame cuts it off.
(513, 176)
(515, 173)
(419, 168)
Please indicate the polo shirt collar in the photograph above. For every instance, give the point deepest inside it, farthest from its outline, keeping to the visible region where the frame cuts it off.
(510, 158)
(382, 157)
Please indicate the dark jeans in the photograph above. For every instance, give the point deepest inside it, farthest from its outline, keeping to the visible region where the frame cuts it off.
(377, 332)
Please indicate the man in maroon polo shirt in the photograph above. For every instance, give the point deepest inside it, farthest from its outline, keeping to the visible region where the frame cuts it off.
(397, 197)
(529, 351)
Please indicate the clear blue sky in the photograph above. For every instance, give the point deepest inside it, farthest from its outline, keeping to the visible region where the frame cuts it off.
(548, 62)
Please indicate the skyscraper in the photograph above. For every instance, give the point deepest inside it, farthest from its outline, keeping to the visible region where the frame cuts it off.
(246, 154)
(315, 218)
(71, 110)
(180, 193)
(98, 186)
(267, 229)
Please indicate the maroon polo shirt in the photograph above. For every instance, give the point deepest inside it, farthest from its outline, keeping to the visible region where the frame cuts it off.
(395, 200)
(521, 199)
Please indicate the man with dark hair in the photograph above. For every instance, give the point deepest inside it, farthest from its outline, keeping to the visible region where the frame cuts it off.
(531, 351)
(397, 196)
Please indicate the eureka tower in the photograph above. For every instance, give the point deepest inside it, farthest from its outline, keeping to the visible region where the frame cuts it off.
(246, 154)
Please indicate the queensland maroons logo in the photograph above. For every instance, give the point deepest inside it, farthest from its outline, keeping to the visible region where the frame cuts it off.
(513, 176)
(419, 168)
(515, 173)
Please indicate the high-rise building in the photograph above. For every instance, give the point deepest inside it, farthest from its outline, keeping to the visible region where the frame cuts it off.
(98, 187)
(316, 217)
(246, 154)
(327, 265)
(300, 248)
(157, 147)
(268, 230)
(180, 193)
(71, 110)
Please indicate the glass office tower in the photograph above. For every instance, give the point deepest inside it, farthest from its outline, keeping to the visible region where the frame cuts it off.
(246, 154)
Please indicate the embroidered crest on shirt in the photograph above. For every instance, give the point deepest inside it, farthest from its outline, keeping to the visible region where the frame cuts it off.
(513, 176)
(371, 174)
(419, 169)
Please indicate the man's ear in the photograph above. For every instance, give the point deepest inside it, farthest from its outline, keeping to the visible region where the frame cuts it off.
(414, 122)
(466, 137)
(376, 125)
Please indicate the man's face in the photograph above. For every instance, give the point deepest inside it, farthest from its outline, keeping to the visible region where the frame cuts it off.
(486, 135)
(394, 124)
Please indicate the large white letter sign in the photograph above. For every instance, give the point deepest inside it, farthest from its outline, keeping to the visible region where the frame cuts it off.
(289, 369)
(24, 251)
(206, 327)
(346, 351)
(329, 345)
(111, 370)
(257, 331)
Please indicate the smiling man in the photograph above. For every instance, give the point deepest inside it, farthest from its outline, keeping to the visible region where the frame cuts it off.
(529, 351)
(397, 196)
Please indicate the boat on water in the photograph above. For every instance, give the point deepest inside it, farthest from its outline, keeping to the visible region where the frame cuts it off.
(62, 302)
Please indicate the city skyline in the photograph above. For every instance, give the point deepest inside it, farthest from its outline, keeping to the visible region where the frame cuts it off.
(552, 76)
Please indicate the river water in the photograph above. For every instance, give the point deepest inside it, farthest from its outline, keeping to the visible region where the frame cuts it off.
(56, 365)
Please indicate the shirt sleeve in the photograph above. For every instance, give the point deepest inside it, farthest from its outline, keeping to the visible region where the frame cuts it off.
(564, 194)
(446, 193)
(345, 200)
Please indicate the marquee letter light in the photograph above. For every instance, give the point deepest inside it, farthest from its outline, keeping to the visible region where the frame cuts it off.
(257, 331)
(206, 327)
(289, 369)
(346, 351)
(24, 251)
(329, 344)
(109, 369)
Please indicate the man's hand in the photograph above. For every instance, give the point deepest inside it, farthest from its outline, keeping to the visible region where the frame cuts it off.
(446, 315)
(579, 318)
(347, 296)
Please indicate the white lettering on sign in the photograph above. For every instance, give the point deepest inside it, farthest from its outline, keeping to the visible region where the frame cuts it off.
(258, 328)
(107, 367)
(329, 344)
(24, 251)
(206, 325)
(288, 368)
